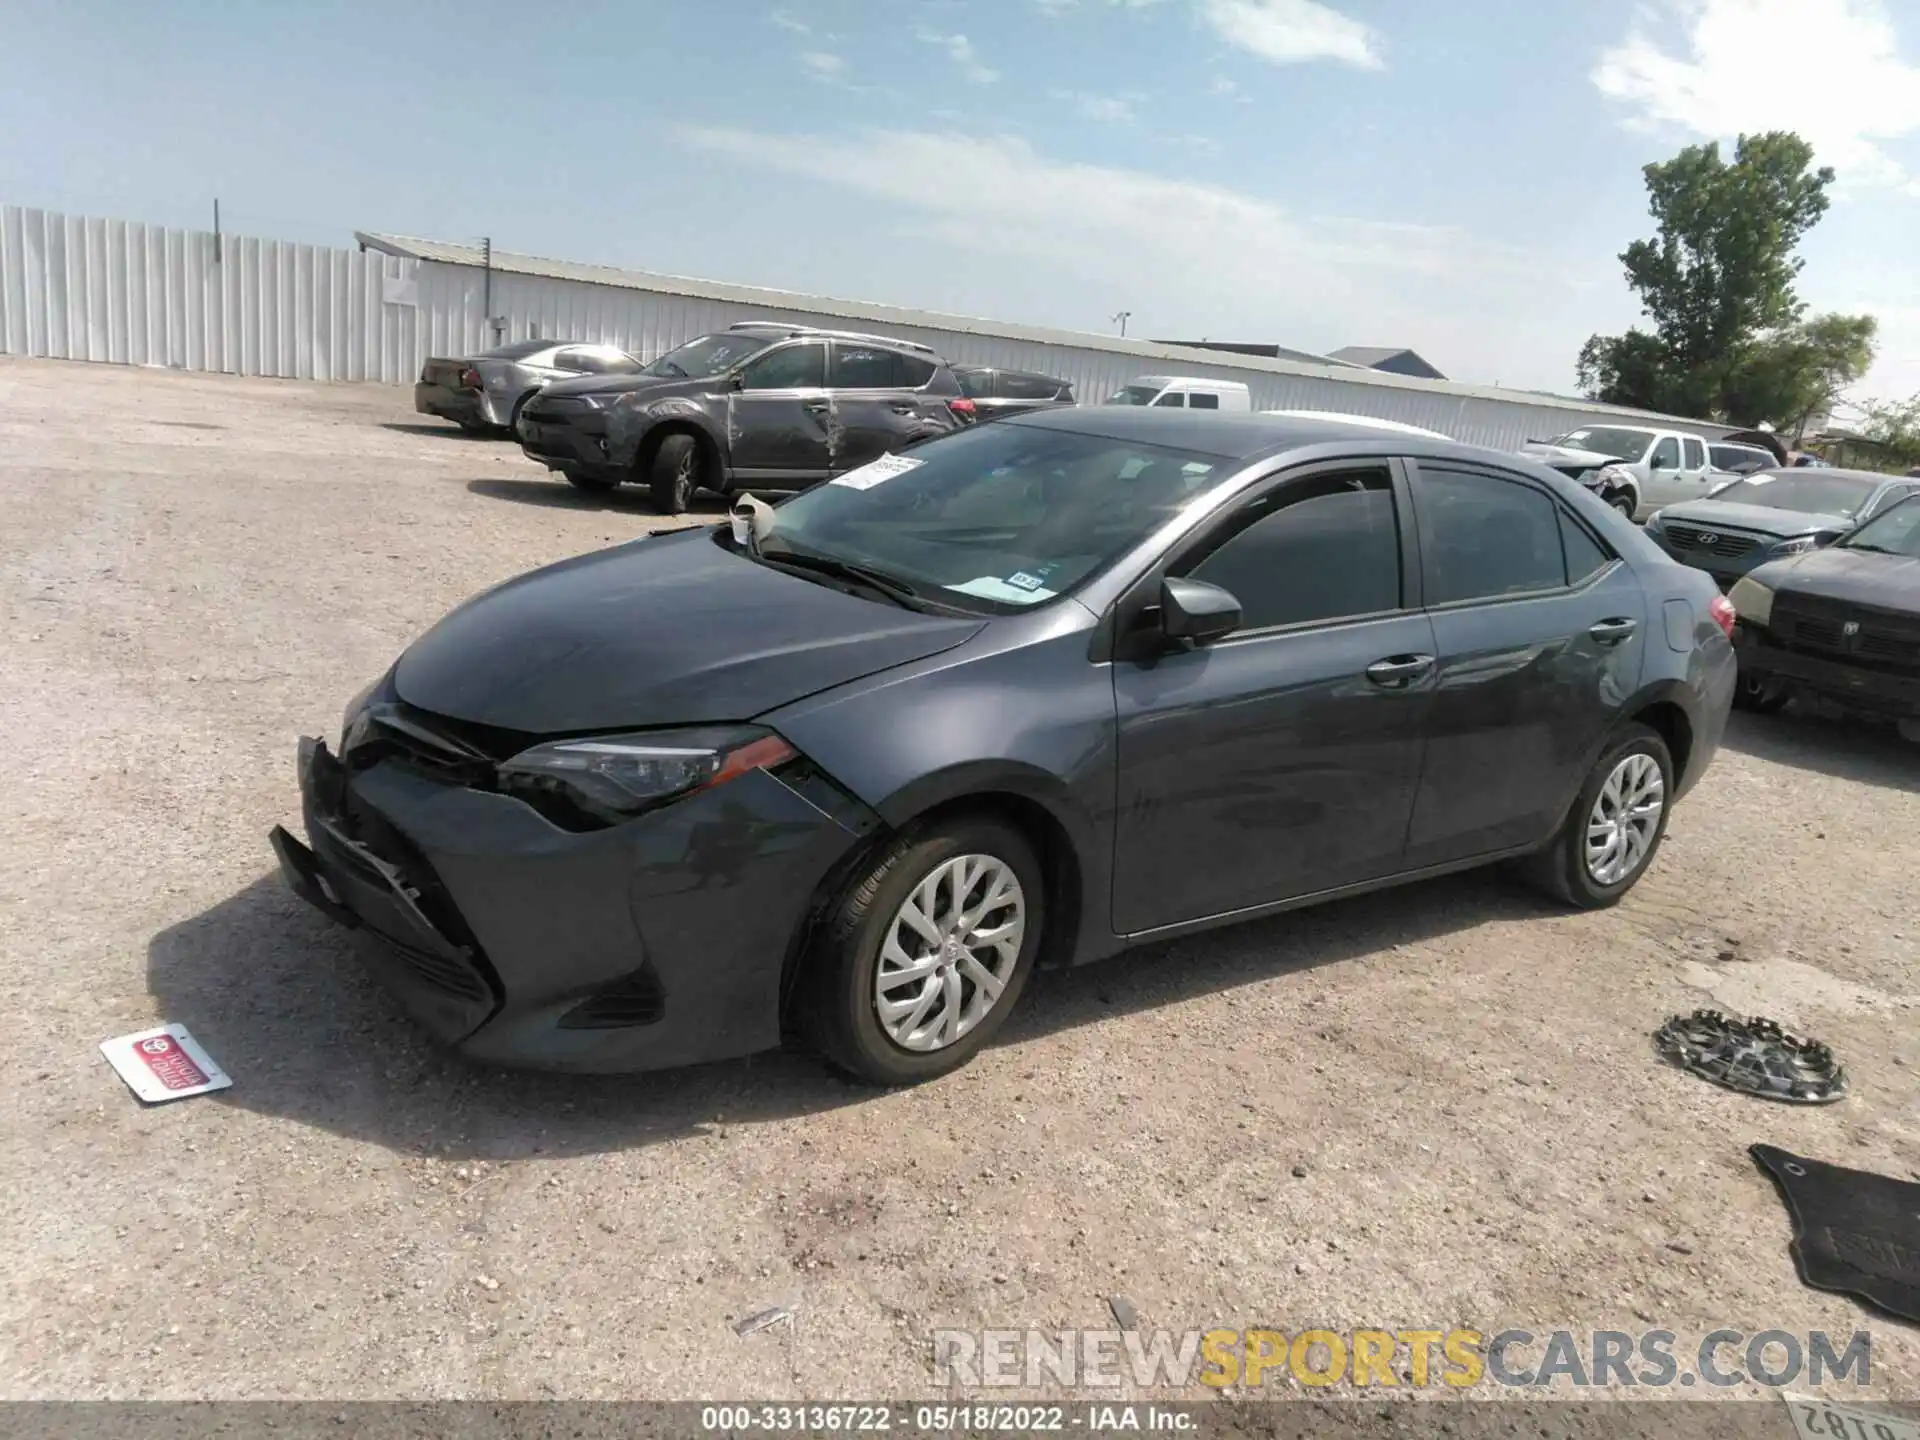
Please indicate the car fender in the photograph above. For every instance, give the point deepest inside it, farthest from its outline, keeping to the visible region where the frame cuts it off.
(629, 427)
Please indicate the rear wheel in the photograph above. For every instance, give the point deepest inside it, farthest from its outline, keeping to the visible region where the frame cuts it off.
(1615, 826)
(926, 955)
(1760, 692)
(677, 474)
(592, 484)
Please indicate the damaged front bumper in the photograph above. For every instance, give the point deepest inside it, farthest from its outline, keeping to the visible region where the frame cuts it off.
(658, 942)
(569, 440)
(1867, 688)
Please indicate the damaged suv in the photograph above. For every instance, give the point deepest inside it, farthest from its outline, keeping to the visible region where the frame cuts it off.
(773, 405)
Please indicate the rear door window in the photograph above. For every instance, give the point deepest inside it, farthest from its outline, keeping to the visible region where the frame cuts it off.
(975, 384)
(862, 367)
(1201, 400)
(1487, 537)
(912, 371)
(1029, 387)
(1696, 454)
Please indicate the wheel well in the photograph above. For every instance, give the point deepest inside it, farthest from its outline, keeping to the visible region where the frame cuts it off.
(1050, 841)
(1670, 722)
(651, 442)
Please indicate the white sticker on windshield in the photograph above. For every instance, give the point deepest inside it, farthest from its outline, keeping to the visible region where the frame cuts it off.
(872, 473)
(992, 587)
(1761, 479)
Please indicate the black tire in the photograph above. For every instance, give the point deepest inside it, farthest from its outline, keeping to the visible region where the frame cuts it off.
(837, 1005)
(592, 484)
(1760, 692)
(513, 418)
(1561, 868)
(676, 475)
(1624, 504)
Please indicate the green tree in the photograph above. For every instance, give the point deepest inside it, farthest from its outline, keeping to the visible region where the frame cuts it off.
(1896, 425)
(1717, 283)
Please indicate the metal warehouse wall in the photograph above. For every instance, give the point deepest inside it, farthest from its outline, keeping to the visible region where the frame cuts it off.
(119, 291)
(133, 294)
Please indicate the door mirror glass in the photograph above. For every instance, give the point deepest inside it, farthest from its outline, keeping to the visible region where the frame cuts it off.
(1194, 610)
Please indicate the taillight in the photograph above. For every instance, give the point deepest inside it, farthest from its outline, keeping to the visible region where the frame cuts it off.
(1721, 609)
(470, 379)
(963, 408)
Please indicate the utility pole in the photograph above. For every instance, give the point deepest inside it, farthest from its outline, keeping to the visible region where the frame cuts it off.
(486, 286)
(216, 230)
(1121, 319)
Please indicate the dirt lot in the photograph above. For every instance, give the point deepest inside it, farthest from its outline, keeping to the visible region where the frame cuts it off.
(1431, 1108)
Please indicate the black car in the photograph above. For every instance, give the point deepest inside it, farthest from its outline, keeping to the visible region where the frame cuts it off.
(1841, 622)
(1036, 692)
(997, 393)
(765, 404)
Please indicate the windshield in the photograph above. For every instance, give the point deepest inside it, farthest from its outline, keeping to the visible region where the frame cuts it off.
(1896, 531)
(518, 350)
(1799, 491)
(1134, 395)
(996, 519)
(708, 356)
(1607, 440)
(1739, 459)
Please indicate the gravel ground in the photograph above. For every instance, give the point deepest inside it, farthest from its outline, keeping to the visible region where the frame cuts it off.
(1430, 1108)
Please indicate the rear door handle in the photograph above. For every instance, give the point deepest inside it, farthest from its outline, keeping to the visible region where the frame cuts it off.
(1612, 632)
(1398, 671)
(903, 407)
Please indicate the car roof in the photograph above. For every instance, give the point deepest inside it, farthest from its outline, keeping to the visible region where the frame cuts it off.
(1233, 436)
(1824, 471)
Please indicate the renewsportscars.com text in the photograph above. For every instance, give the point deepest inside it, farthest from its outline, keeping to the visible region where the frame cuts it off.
(1362, 1358)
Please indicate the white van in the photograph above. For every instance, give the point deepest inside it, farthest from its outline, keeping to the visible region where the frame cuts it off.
(1181, 390)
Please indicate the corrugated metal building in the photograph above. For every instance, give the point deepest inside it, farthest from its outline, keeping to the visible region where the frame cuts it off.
(647, 314)
(119, 291)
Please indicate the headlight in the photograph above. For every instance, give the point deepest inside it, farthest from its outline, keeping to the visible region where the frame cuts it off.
(1752, 601)
(615, 776)
(1799, 545)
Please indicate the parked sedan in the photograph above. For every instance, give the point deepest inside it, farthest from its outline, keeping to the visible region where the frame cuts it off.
(997, 393)
(1842, 622)
(488, 391)
(1032, 693)
(1746, 522)
(761, 403)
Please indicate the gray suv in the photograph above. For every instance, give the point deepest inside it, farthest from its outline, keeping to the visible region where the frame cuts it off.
(762, 404)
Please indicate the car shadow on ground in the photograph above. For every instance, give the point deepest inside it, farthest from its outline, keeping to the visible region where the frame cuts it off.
(1871, 752)
(448, 431)
(283, 1001)
(559, 494)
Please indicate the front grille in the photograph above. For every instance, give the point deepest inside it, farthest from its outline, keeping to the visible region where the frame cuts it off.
(1873, 639)
(1726, 544)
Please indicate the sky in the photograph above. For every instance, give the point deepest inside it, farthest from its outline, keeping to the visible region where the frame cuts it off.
(1458, 178)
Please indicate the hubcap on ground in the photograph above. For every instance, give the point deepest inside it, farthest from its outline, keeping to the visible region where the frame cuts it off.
(1625, 816)
(949, 951)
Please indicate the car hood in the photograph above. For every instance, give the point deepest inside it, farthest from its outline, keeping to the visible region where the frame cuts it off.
(1858, 577)
(627, 385)
(1558, 455)
(1762, 518)
(668, 630)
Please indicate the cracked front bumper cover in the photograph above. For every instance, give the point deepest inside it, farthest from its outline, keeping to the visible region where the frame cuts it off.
(658, 942)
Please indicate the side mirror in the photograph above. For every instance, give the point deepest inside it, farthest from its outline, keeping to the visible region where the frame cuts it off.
(736, 381)
(1659, 464)
(1194, 610)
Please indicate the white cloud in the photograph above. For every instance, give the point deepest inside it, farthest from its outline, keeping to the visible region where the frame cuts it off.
(960, 50)
(1828, 69)
(822, 64)
(1288, 32)
(788, 21)
(1107, 109)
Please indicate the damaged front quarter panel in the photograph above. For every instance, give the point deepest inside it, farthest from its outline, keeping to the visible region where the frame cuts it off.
(631, 420)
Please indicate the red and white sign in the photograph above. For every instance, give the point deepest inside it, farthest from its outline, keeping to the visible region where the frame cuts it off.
(164, 1064)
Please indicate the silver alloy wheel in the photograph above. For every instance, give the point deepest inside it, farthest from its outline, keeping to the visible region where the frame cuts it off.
(1625, 816)
(949, 952)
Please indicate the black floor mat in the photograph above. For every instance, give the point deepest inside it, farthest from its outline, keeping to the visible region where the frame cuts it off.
(1853, 1231)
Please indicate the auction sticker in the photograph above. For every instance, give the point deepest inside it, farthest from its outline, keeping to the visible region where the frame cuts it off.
(872, 473)
(165, 1063)
(1827, 1420)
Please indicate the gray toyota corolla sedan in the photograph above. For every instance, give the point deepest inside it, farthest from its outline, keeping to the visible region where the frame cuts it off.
(1025, 694)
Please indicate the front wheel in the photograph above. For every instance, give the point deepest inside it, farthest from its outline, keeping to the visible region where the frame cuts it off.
(927, 953)
(1760, 692)
(1610, 835)
(1624, 504)
(676, 474)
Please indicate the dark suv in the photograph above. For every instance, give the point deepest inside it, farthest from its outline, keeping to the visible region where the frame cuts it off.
(767, 404)
(998, 393)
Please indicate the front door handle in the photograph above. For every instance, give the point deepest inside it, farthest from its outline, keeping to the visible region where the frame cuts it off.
(1396, 672)
(1612, 632)
(814, 407)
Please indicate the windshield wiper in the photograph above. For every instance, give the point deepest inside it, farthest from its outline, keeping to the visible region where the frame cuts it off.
(891, 586)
